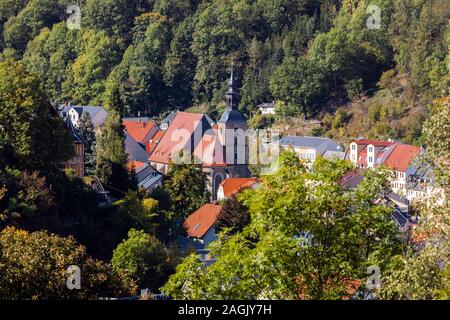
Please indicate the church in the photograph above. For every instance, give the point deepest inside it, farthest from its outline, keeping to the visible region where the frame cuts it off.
(220, 148)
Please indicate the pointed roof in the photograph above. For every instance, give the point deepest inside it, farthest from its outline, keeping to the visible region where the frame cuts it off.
(139, 130)
(178, 135)
(76, 137)
(134, 150)
(232, 83)
(234, 185)
(199, 223)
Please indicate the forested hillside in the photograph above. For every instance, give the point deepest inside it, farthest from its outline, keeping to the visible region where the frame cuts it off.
(310, 55)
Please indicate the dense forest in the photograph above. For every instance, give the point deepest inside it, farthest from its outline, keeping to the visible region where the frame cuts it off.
(311, 56)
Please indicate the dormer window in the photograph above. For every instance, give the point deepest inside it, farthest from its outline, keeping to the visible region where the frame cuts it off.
(370, 149)
(353, 147)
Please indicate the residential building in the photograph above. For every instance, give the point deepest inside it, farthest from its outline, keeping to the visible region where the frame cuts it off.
(141, 130)
(395, 156)
(98, 114)
(167, 121)
(148, 178)
(309, 149)
(135, 151)
(267, 108)
(233, 186)
(200, 226)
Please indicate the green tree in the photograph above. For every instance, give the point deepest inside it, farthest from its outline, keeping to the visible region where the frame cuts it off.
(186, 187)
(86, 130)
(308, 239)
(422, 271)
(234, 215)
(111, 155)
(144, 259)
(92, 67)
(32, 132)
(37, 14)
(137, 211)
(33, 266)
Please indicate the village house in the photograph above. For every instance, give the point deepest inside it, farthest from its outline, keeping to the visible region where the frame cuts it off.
(98, 114)
(141, 129)
(395, 156)
(233, 186)
(267, 108)
(309, 149)
(200, 225)
(147, 177)
(198, 138)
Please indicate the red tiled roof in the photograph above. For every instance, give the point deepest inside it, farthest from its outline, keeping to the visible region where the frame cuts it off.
(234, 185)
(198, 223)
(375, 143)
(139, 129)
(177, 135)
(401, 157)
(136, 165)
(154, 141)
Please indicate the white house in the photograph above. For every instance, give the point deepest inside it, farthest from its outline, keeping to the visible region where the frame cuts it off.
(267, 108)
(309, 148)
(233, 186)
(98, 114)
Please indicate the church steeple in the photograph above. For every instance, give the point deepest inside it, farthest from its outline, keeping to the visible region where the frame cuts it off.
(232, 94)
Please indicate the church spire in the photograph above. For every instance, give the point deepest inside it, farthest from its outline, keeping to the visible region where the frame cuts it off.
(232, 94)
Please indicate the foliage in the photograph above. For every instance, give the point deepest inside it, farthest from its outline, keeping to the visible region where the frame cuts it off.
(307, 239)
(111, 155)
(86, 130)
(186, 186)
(143, 258)
(234, 215)
(422, 272)
(34, 137)
(33, 266)
(137, 211)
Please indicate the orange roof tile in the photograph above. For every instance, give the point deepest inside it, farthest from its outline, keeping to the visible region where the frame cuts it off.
(154, 141)
(234, 185)
(198, 223)
(136, 165)
(401, 157)
(139, 130)
(179, 133)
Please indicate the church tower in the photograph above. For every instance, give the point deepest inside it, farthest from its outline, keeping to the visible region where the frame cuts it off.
(233, 127)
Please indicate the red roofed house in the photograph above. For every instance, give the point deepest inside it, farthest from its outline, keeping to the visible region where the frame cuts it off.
(199, 138)
(235, 185)
(200, 225)
(141, 131)
(395, 156)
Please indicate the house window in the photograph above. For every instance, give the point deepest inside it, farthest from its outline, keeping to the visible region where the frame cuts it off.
(353, 147)
(370, 159)
(370, 149)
